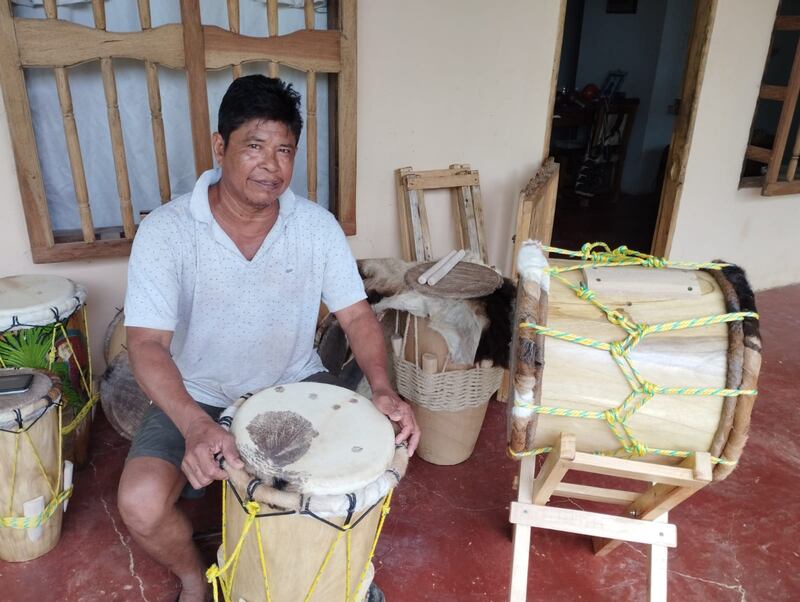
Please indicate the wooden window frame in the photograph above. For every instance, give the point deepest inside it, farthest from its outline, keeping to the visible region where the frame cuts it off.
(773, 183)
(189, 45)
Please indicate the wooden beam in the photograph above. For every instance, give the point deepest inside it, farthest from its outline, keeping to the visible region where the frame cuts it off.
(785, 121)
(522, 534)
(657, 558)
(562, 12)
(272, 28)
(23, 140)
(781, 188)
(74, 251)
(233, 25)
(302, 50)
(420, 181)
(348, 124)
(594, 524)
(558, 462)
(194, 50)
(50, 43)
(787, 23)
(595, 494)
(311, 132)
(640, 471)
(772, 92)
(757, 153)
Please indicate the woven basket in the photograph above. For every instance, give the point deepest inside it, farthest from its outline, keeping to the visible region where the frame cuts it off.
(447, 391)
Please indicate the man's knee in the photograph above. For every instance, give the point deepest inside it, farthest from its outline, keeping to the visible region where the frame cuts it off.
(147, 493)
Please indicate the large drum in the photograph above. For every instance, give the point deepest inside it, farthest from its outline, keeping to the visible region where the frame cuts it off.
(303, 518)
(32, 489)
(43, 326)
(636, 356)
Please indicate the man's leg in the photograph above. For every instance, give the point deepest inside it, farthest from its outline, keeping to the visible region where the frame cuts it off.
(148, 491)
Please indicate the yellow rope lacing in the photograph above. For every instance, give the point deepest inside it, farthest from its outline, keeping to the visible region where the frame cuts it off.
(642, 390)
(222, 583)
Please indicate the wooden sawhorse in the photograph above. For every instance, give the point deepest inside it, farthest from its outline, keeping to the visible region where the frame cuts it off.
(644, 519)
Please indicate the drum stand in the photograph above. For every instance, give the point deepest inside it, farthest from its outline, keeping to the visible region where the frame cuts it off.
(644, 519)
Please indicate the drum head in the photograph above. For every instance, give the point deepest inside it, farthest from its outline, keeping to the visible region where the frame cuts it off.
(37, 300)
(41, 392)
(320, 439)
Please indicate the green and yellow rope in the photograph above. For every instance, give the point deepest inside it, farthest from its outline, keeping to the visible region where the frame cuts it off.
(642, 390)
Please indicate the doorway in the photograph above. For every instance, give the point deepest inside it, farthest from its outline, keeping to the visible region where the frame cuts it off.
(625, 90)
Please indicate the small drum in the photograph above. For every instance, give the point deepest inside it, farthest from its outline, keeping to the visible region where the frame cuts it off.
(636, 356)
(43, 326)
(124, 403)
(303, 518)
(32, 488)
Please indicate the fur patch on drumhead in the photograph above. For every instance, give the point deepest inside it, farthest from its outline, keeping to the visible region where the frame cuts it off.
(280, 438)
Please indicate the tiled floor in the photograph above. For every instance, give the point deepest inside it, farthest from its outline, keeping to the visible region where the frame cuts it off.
(448, 538)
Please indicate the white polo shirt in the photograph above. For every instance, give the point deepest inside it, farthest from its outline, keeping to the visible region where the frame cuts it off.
(238, 325)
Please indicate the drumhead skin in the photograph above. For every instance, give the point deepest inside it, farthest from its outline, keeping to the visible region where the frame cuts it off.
(320, 439)
(37, 300)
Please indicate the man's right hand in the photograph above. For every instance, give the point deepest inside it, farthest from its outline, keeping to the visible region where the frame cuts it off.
(204, 439)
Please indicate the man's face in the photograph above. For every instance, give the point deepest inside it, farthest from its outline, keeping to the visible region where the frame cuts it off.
(257, 162)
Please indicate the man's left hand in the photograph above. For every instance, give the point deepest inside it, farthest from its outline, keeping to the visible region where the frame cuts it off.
(390, 404)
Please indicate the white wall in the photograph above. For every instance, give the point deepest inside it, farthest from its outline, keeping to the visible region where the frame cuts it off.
(715, 219)
(452, 81)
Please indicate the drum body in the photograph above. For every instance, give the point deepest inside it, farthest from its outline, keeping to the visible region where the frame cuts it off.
(43, 326)
(25, 485)
(332, 453)
(450, 426)
(700, 373)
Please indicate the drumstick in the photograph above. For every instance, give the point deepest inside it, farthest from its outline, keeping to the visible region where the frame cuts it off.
(429, 272)
(445, 269)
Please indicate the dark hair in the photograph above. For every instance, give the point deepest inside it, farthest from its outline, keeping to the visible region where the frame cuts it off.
(259, 97)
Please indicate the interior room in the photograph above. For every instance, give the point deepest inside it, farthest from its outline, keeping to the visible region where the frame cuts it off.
(367, 300)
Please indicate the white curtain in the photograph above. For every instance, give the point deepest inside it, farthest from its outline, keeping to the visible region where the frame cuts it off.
(90, 111)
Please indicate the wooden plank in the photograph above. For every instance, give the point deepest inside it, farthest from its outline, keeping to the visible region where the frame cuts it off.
(272, 28)
(594, 524)
(194, 50)
(156, 117)
(302, 50)
(772, 92)
(522, 534)
(404, 214)
(785, 121)
(629, 469)
(419, 225)
(700, 40)
(536, 209)
(555, 467)
(63, 44)
(466, 222)
(23, 140)
(630, 282)
(115, 129)
(477, 207)
(591, 493)
(657, 558)
(562, 11)
(332, 22)
(757, 153)
(780, 188)
(233, 26)
(82, 250)
(450, 180)
(787, 23)
(348, 123)
(311, 133)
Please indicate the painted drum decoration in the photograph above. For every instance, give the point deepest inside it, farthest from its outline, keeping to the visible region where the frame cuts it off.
(33, 490)
(43, 326)
(635, 355)
(301, 521)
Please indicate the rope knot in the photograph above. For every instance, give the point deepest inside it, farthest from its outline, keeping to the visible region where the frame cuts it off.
(639, 448)
(252, 507)
(585, 293)
(616, 348)
(213, 573)
(654, 262)
(612, 416)
(647, 388)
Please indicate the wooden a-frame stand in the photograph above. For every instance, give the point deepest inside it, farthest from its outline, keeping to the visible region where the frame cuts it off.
(644, 519)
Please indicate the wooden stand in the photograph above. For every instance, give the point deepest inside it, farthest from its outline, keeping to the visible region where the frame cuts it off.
(644, 519)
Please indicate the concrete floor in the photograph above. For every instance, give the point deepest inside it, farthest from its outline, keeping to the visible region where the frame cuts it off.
(448, 537)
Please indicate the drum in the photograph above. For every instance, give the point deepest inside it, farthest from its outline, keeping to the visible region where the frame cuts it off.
(32, 489)
(43, 325)
(124, 403)
(449, 399)
(636, 356)
(302, 520)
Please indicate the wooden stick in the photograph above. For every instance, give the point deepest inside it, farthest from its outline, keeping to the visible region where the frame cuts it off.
(309, 14)
(272, 25)
(194, 47)
(115, 128)
(156, 119)
(445, 269)
(311, 132)
(233, 25)
(423, 278)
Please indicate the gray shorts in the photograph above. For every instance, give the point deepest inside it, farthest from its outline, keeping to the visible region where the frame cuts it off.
(158, 437)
